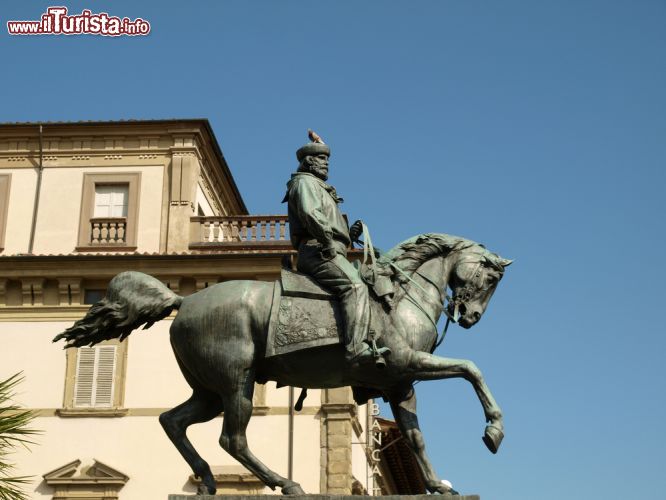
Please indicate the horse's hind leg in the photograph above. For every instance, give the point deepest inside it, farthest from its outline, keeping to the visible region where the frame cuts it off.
(403, 405)
(237, 413)
(201, 407)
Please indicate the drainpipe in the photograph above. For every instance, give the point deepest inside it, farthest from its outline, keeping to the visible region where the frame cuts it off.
(290, 452)
(38, 190)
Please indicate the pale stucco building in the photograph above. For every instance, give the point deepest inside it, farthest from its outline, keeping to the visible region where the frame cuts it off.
(80, 202)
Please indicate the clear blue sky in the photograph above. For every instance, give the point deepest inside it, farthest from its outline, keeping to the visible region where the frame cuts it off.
(536, 128)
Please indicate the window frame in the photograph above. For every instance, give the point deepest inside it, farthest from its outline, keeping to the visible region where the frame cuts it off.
(117, 408)
(5, 185)
(90, 180)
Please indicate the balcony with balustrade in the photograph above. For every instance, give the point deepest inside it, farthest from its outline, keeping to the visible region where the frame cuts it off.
(263, 233)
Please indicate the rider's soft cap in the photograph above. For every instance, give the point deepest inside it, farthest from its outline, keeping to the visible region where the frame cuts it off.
(314, 148)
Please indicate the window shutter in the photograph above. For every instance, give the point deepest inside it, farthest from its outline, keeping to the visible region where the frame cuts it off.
(85, 374)
(105, 368)
(94, 377)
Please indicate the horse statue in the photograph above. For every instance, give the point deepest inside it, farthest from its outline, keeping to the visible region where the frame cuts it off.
(219, 338)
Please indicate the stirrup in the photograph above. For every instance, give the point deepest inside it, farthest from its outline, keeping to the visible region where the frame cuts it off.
(378, 352)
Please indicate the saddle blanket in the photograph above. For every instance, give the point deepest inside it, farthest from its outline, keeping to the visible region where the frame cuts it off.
(303, 315)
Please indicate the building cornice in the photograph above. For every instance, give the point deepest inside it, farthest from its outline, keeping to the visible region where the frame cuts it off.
(52, 287)
(87, 142)
(242, 264)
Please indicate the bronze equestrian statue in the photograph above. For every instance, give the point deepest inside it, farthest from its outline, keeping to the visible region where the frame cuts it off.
(224, 338)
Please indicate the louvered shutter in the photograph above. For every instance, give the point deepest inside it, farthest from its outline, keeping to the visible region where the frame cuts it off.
(85, 377)
(94, 377)
(104, 381)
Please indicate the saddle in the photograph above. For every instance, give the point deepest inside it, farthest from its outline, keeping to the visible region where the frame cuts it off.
(303, 315)
(295, 284)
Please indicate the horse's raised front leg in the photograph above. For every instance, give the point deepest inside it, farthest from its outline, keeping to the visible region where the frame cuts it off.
(424, 366)
(237, 413)
(403, 405)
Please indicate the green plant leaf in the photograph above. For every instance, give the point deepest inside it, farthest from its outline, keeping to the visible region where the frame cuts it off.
(15, 431)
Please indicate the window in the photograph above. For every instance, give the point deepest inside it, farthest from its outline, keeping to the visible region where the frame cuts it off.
(4, 206)
(111, 200)
(204, 208)
(92, 296)
(95, 380)
(109, 212)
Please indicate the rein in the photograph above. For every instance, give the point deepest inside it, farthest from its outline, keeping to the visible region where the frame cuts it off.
(439, 338)
(369, 251)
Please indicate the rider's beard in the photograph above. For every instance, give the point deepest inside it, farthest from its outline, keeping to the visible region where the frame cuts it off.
(321, 172)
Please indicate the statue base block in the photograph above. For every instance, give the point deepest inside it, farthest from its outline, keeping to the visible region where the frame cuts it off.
(321, 497)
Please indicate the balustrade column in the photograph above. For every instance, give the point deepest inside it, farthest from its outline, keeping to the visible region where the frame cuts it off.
(243, 235)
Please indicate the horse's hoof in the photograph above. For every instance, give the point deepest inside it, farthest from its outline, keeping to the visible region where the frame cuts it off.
(292, 489)
(493, 438)
(441, 488)
(205, 490)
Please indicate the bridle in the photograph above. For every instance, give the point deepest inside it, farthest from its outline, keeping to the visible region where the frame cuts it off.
(459, 298)
(463, 294)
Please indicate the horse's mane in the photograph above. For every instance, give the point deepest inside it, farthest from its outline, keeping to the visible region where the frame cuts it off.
(412, 253)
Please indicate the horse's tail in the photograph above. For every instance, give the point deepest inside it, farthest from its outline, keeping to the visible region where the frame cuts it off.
(132, 299)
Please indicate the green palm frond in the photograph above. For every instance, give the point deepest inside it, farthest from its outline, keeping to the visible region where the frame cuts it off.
(14, 431)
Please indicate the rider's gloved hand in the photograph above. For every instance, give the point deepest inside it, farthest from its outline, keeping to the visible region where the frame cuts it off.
(355, 231)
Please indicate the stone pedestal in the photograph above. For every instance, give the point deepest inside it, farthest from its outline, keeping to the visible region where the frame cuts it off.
(321, 497)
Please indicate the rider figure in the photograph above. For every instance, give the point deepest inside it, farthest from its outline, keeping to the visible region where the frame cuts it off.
(320, 234)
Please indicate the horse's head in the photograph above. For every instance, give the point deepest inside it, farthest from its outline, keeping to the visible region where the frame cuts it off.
(473, 281)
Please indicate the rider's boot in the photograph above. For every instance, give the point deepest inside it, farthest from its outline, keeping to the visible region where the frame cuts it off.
(356, 312)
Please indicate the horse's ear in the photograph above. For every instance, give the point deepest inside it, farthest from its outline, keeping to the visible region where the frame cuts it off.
(505, 262)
